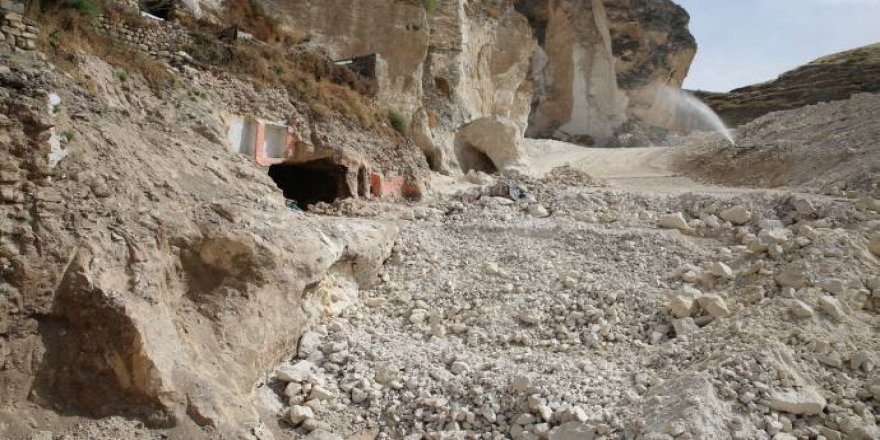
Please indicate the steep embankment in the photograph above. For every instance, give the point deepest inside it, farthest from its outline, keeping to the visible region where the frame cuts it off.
(832, 148)
(147, 271)
(830, 78)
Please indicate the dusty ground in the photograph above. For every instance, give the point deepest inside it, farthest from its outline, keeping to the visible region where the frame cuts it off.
(653, 307)
(829, 148)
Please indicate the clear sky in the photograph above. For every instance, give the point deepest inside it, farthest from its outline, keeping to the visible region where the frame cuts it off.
(743, 42)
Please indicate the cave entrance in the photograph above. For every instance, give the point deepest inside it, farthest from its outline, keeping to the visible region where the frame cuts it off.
(163, 9)
(311, 182)
(471, 158)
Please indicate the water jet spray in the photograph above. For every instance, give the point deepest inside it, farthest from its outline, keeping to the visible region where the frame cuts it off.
(698, 115)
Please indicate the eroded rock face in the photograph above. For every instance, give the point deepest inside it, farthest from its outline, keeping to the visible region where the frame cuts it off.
(565, 69)
(601, 63)
(477, 67)
(442, 69)
(396, 31)
(138, 283)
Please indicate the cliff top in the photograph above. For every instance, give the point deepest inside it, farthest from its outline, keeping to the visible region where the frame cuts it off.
(863, 55)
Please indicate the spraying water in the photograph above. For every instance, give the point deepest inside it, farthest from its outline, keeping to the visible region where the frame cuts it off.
(695, 114)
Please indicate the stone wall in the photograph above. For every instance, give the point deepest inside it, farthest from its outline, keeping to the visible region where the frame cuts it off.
(18, 32)
(162, 39)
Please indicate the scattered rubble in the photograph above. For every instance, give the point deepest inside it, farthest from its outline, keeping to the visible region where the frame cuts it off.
(500, 320)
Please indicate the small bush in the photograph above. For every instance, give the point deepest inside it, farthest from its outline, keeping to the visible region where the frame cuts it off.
(68, 135)
(429, 5)
(398, 121)
(320, 109)
(311, 78)
(122, 75)
(89, 8)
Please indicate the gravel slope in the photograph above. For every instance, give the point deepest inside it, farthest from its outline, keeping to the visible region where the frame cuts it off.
(603, 313)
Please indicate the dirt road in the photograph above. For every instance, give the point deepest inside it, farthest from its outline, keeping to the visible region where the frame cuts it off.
(646, 168)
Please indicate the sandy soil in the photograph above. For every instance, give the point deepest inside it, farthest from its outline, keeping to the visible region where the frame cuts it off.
(638, 169)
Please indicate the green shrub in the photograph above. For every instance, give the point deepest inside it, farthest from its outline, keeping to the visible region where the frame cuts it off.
(430, 5)
(90, 8)
(122, 75)
(398, 121)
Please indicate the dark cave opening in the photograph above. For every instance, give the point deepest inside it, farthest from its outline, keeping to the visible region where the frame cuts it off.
(158, 8)
(471, 158)
(311, 182)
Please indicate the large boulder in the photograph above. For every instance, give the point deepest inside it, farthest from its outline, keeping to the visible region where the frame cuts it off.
(489, 145)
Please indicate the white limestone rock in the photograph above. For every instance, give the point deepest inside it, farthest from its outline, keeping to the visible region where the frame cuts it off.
(682, 306)
(302, 371)
(721, 270)
(791, 277)
(800, 309)
(685, 326)
(309, 343)
(806, 401)
(574, 431)
(738, 215)
(539, 211)
(674, 221)
(714, 305)
(832, 307)
(862, 360)
(322, 394)
(299, 413)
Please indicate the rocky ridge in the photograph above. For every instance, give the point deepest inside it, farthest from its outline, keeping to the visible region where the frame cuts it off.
(831, 78)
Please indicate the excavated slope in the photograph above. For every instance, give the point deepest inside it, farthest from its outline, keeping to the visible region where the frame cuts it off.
(832, 78)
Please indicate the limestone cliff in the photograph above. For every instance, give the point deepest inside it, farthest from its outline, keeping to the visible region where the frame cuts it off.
(442, 69)
(566, 69)
(396, 31)
(477, 68)
(601, 63)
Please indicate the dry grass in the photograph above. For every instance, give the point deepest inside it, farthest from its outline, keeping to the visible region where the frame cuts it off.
(861, 55)
(67, 32)
(322, 86)
(319, 84)
(250, 16)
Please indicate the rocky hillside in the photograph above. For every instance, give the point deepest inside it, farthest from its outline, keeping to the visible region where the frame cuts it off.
(831, 78)
(831, 148)
(147, 272)
(569, 70)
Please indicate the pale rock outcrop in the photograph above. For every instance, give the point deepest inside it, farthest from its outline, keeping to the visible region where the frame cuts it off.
(806, 401)
(495, 139)
(477, 67)
(397, 31)
(442, 70)
(602, 63)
